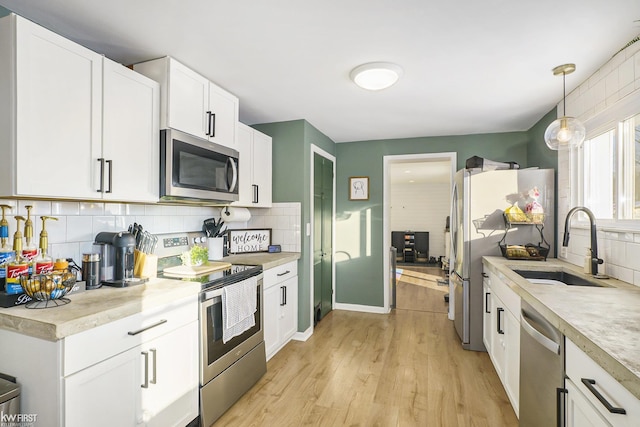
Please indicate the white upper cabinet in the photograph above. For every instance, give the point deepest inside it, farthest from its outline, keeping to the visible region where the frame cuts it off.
(59, 123)
(191, 103)
(131, 132)
(51, 129)
(255, 168)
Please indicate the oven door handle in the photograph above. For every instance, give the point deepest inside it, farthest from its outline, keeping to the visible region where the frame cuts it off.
(209, 296)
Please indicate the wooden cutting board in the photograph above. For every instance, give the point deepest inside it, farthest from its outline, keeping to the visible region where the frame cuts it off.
(186, 271)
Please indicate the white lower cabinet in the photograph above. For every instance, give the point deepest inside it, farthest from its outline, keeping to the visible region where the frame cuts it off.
(280, 306)
(581, 413)
(139, 370)
(501, 334)
(153, 382)
(105, 394)
(594, 397)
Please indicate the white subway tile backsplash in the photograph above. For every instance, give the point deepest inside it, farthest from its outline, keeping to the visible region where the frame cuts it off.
(150, 210)
(284, 221)
(91, 208)
(79, 228)
(78, 222)
(38, 207)
(617, 78)
(632, 255)
(176, 223)
(57, 230)
(65, 208)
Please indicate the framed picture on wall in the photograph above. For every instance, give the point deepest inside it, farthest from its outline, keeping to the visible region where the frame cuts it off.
(359, 188)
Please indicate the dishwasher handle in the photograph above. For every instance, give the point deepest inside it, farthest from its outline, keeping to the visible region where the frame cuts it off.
(540, 338)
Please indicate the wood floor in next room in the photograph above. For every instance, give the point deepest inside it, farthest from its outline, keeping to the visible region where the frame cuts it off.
(406, 368)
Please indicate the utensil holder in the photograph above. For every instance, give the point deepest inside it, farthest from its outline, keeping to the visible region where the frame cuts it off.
(215, 245)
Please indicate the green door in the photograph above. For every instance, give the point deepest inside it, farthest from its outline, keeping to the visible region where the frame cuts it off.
(323, 223)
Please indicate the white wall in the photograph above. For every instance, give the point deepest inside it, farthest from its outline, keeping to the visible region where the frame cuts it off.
(614, 84)
(421, 207)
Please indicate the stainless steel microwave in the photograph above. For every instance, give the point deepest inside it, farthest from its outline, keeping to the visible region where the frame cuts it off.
(196, 170)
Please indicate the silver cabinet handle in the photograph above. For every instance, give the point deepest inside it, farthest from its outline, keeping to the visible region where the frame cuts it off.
(284, 274)
(154, 369)
(139, 331)
(234, 174)
(544, 341)
(146, 369)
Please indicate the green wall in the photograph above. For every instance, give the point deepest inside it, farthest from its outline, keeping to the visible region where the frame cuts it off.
(292, 183)
(4, 12)
(359, 238)
(359, 224)
(538, 154)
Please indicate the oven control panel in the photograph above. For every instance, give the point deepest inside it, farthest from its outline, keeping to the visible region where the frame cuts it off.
(172, 242)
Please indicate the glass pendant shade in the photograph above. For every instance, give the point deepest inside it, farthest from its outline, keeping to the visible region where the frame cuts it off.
(564, 132)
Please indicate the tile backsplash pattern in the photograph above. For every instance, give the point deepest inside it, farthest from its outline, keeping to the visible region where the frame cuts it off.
(79, 222)
(284, 219)
(620, 248)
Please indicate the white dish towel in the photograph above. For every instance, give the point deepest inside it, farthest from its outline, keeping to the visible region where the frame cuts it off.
(239, 302)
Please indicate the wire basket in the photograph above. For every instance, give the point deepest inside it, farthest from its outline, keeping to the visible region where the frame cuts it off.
(528, 252)
(49, 289)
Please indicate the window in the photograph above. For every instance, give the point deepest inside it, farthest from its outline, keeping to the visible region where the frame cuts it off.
(606, 172)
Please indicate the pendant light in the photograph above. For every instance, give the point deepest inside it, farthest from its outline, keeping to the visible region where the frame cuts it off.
(565, 132)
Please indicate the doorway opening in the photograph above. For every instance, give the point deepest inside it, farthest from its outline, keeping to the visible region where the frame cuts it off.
(417, 202)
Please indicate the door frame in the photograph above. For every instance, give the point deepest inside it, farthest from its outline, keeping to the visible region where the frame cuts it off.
(386, 228)
(317, 150)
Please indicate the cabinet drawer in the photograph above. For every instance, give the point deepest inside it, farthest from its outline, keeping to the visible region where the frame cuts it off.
(509, 298)
(97, 344)
(581, 367)
(280, 273)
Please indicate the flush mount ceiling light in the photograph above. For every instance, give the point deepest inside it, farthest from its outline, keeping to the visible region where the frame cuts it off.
(565, 132)
(376, 75)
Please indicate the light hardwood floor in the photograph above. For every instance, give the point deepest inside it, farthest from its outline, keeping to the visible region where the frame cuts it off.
(417, 289)
(406, 368)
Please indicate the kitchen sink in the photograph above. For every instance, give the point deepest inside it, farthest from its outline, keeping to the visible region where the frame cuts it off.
(557, 276)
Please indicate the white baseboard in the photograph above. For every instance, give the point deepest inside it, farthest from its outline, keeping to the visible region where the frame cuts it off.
(361, 308)
(304, 335)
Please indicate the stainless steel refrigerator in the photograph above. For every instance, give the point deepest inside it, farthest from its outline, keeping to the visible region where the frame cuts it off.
(477, 227)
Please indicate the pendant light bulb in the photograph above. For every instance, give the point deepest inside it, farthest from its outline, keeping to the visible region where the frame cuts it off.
(565, 132)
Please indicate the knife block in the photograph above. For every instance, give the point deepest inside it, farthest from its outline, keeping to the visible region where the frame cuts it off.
(145, 265)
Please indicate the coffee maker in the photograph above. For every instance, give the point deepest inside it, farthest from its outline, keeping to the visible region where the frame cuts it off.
(116, 251)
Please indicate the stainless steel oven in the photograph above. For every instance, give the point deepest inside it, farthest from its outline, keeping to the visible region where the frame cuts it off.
(228, 369)
(193, 169)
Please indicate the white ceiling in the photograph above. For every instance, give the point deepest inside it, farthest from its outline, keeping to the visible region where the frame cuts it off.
(469, 66)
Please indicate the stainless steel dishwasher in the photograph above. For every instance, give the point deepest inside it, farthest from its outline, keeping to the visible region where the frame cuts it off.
(541, 371)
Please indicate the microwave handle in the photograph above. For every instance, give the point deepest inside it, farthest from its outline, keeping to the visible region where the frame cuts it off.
(234, 169)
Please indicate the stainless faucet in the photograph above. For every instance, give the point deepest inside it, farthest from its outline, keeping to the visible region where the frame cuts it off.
(594, 241)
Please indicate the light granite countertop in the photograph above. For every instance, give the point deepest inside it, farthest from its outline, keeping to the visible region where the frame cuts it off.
(265, 259)
(96, 307)
(92, 308)
(604, 322)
